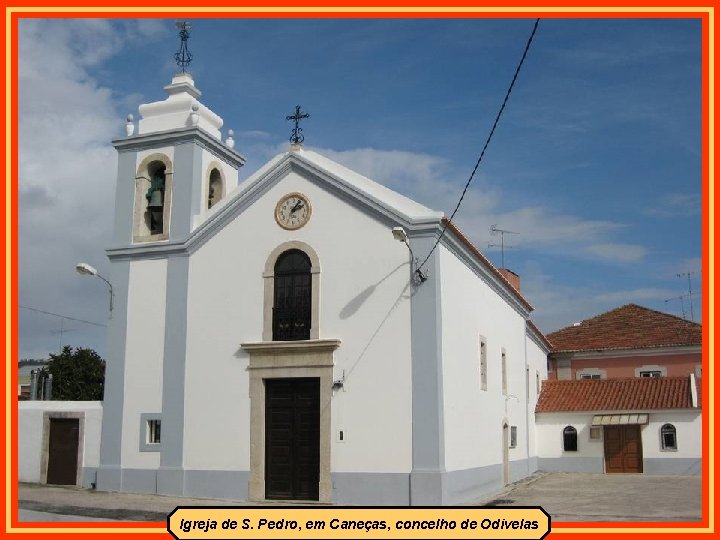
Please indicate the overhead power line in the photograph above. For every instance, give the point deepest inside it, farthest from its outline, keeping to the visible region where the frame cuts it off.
(487, 142)
(62, 316)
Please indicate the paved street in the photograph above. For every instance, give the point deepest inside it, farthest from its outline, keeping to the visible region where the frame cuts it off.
(607, 497)
(565, 496)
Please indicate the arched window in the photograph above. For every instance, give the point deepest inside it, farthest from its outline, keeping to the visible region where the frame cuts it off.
(215, 188)
(155, 197)
(292, 304)
(668, 438)
(570, 439)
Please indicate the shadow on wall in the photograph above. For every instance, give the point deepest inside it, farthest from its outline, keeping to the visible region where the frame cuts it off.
(356, 303)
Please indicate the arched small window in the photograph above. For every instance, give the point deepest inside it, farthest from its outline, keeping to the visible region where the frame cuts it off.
(292, 299)
(215, 188)
(156, 198)
(668, 438)
(570, 439)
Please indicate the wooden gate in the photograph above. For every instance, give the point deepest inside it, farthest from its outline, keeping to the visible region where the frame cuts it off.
(63, 451)
(292, 445)
(623, 449)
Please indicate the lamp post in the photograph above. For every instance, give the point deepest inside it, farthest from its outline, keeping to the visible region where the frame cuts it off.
(86, 269)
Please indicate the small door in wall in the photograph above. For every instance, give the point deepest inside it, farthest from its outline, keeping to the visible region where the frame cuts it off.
(63, 451)
(623, 449)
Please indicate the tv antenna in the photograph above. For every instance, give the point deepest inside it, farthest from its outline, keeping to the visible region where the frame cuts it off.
(494, 231)
(682, 303)
(688, 274)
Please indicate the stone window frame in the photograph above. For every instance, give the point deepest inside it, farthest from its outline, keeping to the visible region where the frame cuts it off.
(214, 165)
(269, 287)
(503, 371)
(47, 416)
(141, 231)
(590, 373)
(145, 419)
(651, 369)
(482, 344)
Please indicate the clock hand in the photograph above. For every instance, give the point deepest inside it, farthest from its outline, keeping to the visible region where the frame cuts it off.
(298, 206)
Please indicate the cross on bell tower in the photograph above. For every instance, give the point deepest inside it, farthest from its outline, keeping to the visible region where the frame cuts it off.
(183, 57)
(297, 137)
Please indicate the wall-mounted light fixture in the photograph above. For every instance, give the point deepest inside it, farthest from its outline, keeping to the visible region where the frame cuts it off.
(401, 235)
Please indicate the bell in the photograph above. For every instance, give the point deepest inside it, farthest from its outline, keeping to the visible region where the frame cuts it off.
(156, 201)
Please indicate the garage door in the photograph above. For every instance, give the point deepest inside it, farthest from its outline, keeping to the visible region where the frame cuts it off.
(623, 449)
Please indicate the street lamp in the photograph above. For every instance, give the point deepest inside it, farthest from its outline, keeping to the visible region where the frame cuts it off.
(401, 235)
(86, 269)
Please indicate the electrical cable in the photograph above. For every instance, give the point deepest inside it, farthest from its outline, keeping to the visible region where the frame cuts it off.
(487, 142)
(62, 316)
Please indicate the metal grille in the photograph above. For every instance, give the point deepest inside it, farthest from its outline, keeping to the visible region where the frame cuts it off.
(292, 305)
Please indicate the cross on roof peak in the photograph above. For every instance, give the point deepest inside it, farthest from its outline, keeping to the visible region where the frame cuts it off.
(297, 136)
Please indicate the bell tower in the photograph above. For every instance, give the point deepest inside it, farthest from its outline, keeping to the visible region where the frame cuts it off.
(172, 167)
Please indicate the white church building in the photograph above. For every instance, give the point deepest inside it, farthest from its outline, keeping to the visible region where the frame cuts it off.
(272, 338)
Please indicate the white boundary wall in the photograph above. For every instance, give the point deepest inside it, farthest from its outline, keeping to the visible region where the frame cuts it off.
(32, 441)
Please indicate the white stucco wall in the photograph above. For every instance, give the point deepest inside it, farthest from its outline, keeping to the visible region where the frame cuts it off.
(537, 364)
(363, 301)
(687, 423)
(472, 417)
(31, 449)
(143, 356)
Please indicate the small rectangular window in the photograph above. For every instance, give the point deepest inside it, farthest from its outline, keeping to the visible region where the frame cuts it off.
(596, 433)
(483, 364)
(589, 375)
(504, 373)
(651, 374)
(513, 436)
(153, 432)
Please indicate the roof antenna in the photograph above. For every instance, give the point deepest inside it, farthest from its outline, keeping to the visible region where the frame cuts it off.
(494, 231)
(682, 303)
(688, 274)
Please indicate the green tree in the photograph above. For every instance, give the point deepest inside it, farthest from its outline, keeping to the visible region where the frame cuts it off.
(78, 375)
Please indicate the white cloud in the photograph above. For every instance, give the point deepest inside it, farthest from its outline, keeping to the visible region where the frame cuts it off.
(617, 253)
(66, 175)
(675, 205)
(635, 295)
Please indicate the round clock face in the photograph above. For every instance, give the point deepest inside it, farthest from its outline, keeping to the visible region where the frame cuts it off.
(293, 211)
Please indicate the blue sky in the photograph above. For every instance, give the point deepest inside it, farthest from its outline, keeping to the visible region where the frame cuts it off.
(596, 162)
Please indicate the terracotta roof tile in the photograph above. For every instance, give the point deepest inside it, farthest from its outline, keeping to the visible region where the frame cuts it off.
(627, 327)
(615, 394)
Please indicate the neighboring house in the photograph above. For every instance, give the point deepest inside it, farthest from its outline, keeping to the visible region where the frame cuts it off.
(272, 338)
(633, 425)
(629, 341)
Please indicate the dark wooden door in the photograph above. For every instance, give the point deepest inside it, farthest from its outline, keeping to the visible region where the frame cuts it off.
(292, 438)
(623, 449)
(63, 451)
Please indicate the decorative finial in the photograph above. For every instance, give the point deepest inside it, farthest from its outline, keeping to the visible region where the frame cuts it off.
(230, 141)
(183, 57)
(130, 125)
(297, 136)
(194, 115)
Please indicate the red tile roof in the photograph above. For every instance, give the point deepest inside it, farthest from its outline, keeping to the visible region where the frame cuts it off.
(615, 394)
(627, 327)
